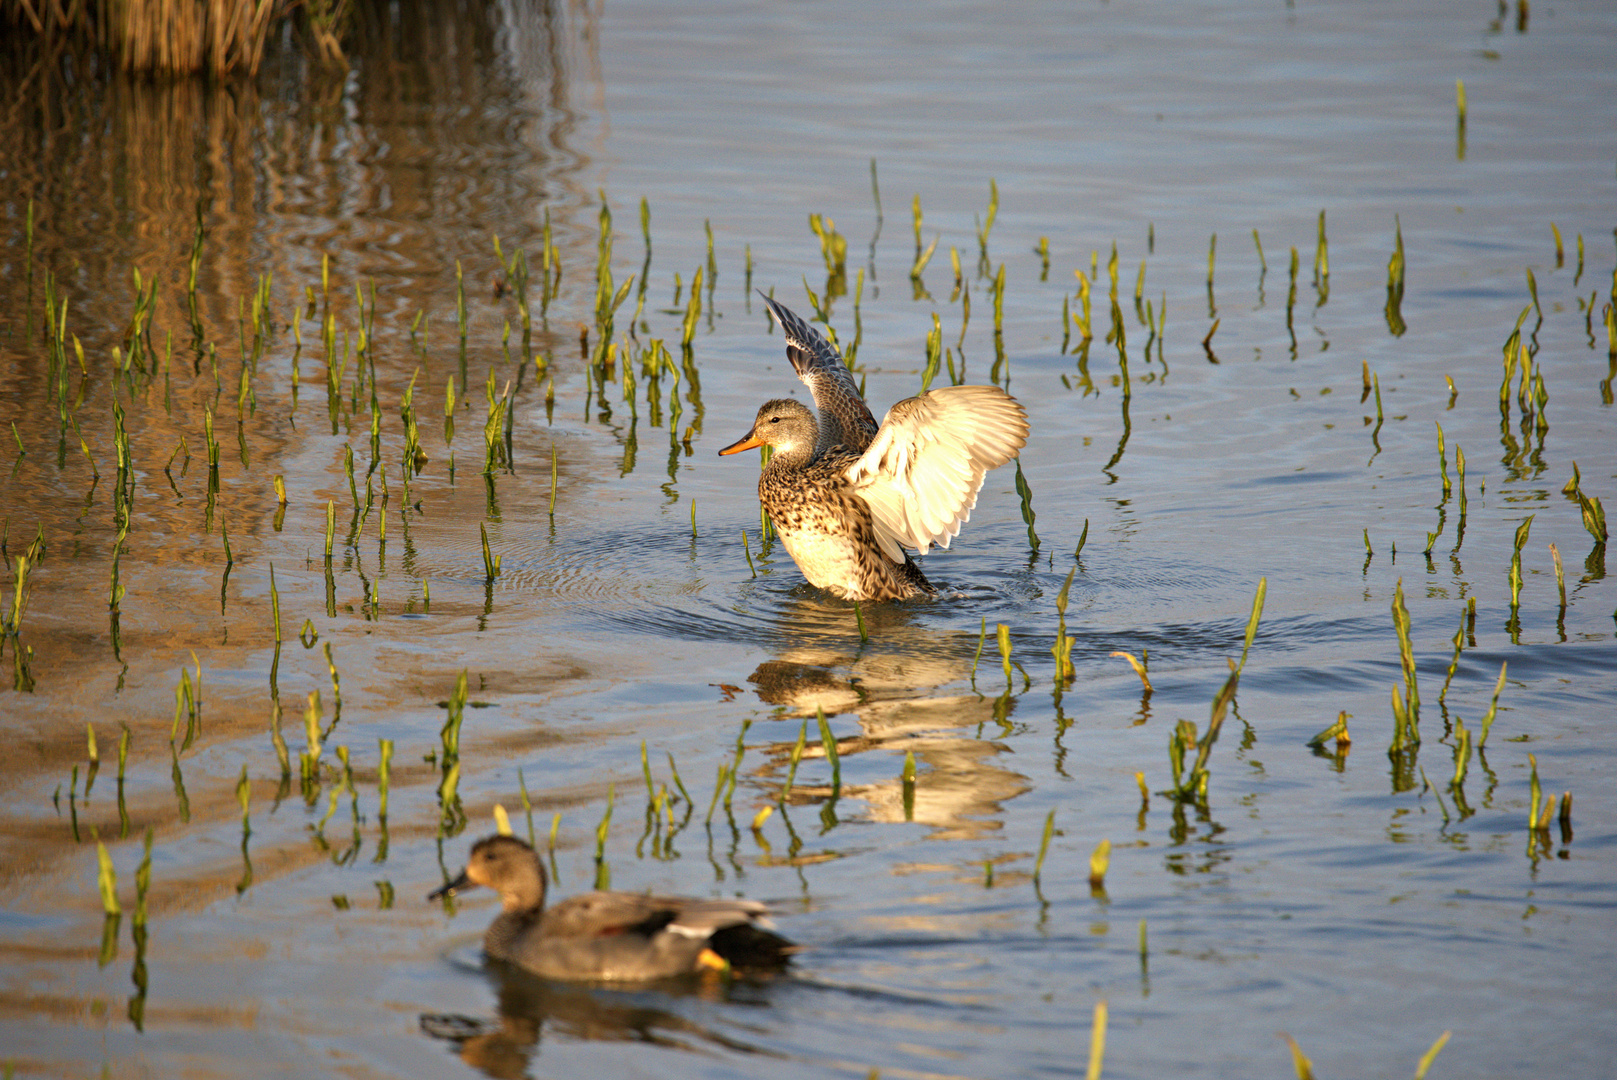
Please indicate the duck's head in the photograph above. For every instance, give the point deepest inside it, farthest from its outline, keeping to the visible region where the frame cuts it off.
(785, 424)
(506, 865)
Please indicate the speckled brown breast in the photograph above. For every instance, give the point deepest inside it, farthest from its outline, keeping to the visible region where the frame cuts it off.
(829, 532)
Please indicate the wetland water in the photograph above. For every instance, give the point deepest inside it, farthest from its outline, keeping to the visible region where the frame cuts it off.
(1359, 901)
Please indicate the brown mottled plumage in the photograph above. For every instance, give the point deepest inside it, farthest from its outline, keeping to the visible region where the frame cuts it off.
(611, 936)
(847, 497)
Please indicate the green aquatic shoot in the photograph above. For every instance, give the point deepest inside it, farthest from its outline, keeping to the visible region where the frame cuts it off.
(491, 562)
(1493, 708)
(1139, 669)
(1025, 490)
(1044, 844)
(796, 757)
(1406, 704)
(1252, 619)
(384, 771)
(906, 778)
(828, 742)
(143, 880)
(1322, 257)
(721, 776)
(553, 491)
(1337, 732)
(244, 798)
(1299, 1060)
(1516, 562)
(982, 636)
(1062, 649)
(1459, 472)
(1454, 661)
(106, 878)
(1003, 634)
(1192, 786)
(1560, 575)
(605, 827)
(1100, 860)
(1594, 517)
(1541, 808)
(1097, 1042)
(1430, 1056)
(987, 224)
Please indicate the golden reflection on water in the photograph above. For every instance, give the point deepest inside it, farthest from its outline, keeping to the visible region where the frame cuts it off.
(960, 785)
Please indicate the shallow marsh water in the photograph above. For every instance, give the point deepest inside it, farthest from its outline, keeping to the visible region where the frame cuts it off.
(1347, 900)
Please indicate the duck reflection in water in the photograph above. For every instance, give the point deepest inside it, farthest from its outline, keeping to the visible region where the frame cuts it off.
(530, 1007)
(960, 784)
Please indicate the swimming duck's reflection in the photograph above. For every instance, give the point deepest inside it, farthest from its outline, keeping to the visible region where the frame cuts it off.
(530, 1008)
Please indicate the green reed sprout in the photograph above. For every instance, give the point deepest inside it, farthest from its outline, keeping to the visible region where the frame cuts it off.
(1516, 562)
(796, 757)
(1100, 860)
(1337, 733)
(106, 878)
(1139, 669)
(1044, 844)
(1192, 786)
(1025, 490)
(1493, 708)
(1003, 634)
(906, 778)
(829, 743)
(491, 562)
(987, 225)
(1097, 1042)
(1252, 620)
(1062, 649)
(1405, 703)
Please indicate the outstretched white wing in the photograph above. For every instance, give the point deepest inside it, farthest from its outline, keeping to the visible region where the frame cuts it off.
(922, 471)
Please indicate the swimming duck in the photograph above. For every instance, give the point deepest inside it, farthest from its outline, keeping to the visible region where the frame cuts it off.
(848, 497)
(611, 936)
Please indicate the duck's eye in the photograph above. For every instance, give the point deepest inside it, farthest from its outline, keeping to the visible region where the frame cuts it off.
(774, 419)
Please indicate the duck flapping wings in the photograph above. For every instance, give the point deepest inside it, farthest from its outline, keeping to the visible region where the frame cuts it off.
(921, 470)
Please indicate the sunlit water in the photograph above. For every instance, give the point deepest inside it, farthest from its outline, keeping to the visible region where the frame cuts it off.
(1361, 904)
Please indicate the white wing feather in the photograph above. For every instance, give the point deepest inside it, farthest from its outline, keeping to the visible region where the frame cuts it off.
(921, 473)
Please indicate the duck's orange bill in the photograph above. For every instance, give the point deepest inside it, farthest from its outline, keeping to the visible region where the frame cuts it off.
(748, 441)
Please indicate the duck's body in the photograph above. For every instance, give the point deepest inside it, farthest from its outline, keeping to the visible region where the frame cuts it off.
(847, 497)
(611, 936)
(822, 521)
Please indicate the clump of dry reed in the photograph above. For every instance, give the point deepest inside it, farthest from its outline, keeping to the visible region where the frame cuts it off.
(177, 37)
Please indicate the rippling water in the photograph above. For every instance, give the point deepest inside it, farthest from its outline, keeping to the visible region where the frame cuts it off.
(1361, 903)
